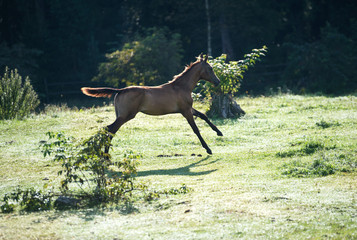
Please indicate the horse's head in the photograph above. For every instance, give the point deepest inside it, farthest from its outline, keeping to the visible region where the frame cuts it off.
(207, 72)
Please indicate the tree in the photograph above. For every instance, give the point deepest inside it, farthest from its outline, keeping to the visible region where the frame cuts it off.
(230, 73)
(151, 60)
(63, 41)
(326, 65)
(19, 57)
(209, 38)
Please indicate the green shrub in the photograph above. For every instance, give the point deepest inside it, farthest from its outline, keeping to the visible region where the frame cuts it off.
(323, 165)
(17, 98)
(98, 178)
(30, 200)
(89, 177)
(230, 74)
(310, 147)
(150, 60)
(86, 165)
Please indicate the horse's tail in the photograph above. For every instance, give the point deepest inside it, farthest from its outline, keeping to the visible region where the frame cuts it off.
(100, 92)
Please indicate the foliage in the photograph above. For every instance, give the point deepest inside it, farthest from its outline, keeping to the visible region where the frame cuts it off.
(326, 65)
(323, 165)
(17, 98)
(30, 200)
(152, 195)
(231, 73)
(152, 60)
(324, 124)
(73, 36)
(174, 191)
(316, 168)
(19, 57)
(328, 161)
(306, 148)
(87, 165)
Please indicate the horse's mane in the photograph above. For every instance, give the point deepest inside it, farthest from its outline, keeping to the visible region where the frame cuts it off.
(187, 68)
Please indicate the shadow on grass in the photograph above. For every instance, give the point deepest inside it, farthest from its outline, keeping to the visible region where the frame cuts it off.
(90, 214)
(183, 171)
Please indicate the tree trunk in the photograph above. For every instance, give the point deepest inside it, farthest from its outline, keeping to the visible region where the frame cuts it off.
(209, 48)
(225, 37)
(224, 106)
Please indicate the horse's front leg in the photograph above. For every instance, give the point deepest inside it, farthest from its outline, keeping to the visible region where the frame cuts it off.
(204, 117)
(189, 117)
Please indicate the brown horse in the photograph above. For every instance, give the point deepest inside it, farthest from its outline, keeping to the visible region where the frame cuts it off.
(172, 97)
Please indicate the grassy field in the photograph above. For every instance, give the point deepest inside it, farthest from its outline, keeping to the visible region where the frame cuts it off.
(287, 170)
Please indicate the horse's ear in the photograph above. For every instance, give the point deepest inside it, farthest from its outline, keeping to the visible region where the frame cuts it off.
(206, 57)
(200, 57)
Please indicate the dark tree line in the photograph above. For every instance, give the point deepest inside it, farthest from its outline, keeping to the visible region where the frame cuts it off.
(312, 43)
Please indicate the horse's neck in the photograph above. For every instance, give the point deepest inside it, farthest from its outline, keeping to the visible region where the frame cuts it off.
(189, 79)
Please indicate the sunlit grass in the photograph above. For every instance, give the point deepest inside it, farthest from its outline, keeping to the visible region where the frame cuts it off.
(240, 191)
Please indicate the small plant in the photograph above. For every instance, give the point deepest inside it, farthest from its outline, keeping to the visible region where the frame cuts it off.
(323, 124)
(318, 168)
(30, 200)
(308, 147)
(323, 165)
(152, 195)
(311, 147)
(181, 190)
(17, 98)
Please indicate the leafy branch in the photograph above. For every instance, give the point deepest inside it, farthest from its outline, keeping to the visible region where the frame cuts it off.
(231, 73)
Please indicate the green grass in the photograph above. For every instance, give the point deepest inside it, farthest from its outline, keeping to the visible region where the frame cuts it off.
(244, 190)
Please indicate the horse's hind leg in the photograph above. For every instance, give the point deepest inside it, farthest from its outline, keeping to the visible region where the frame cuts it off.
(114, 127)
(204, 117)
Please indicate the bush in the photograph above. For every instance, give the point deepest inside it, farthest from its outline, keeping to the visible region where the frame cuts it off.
(87, 165)
(89, 177)
(231, 75)
(30, 200)
(151, 60)
(17, 99)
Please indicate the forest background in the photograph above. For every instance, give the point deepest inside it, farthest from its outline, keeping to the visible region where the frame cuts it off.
(60, 45)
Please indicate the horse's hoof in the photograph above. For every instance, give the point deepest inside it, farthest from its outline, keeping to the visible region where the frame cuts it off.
(209, 151)
(220, 134)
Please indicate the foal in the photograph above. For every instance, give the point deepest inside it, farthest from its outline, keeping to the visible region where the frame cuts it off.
(172, 97)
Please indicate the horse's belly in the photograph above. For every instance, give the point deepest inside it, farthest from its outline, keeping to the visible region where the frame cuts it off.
(158, 108)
